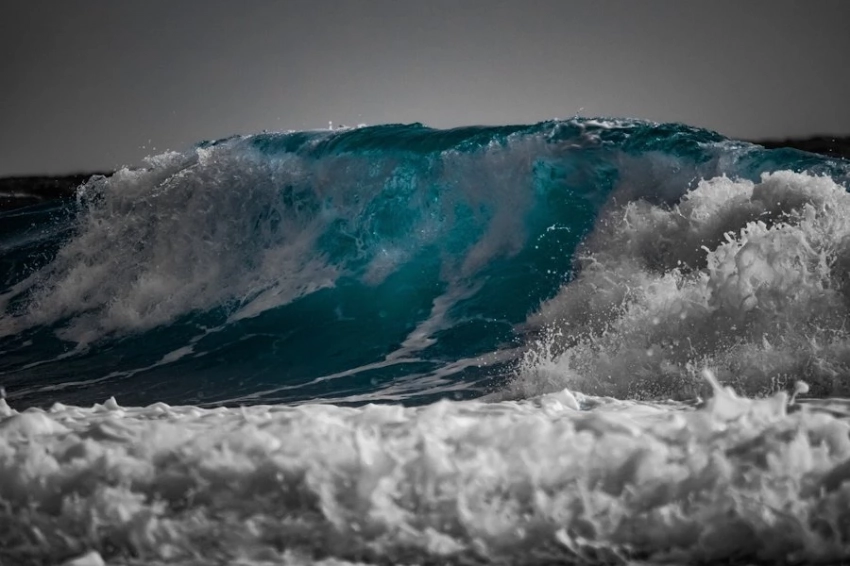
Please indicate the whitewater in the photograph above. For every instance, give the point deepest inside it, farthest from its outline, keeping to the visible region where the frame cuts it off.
(586, 341)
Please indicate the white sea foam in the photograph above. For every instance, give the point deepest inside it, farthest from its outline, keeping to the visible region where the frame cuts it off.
(748, 278)
(455, 482)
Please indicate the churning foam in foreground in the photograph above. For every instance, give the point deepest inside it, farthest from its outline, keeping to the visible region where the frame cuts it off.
(560, 478)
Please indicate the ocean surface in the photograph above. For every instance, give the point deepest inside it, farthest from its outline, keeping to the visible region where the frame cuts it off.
(576, 342)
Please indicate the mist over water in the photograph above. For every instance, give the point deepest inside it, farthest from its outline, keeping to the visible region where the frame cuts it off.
(550, 304)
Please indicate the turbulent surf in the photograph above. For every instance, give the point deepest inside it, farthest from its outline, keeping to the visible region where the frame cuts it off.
(573, 341)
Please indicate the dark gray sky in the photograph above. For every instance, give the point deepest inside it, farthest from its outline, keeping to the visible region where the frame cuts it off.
(101, 83)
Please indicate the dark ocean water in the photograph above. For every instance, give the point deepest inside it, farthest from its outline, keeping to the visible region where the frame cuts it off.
(537, 311)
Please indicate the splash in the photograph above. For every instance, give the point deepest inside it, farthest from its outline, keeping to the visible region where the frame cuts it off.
(747, 278)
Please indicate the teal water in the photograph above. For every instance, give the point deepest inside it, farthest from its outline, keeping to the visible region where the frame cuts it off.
(395, 262)
(582, 342)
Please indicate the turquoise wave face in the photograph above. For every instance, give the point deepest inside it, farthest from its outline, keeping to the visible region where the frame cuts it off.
(402, 263)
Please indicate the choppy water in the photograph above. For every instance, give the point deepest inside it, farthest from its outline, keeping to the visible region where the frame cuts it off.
(536, 310)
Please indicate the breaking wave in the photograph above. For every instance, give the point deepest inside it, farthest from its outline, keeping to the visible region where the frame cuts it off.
(404, 263)
(555, 322)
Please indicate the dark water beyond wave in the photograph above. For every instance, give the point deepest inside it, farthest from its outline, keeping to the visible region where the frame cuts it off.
(578, 279)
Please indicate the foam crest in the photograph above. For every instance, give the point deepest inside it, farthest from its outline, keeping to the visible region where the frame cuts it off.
(454, 482)
(747, 278)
